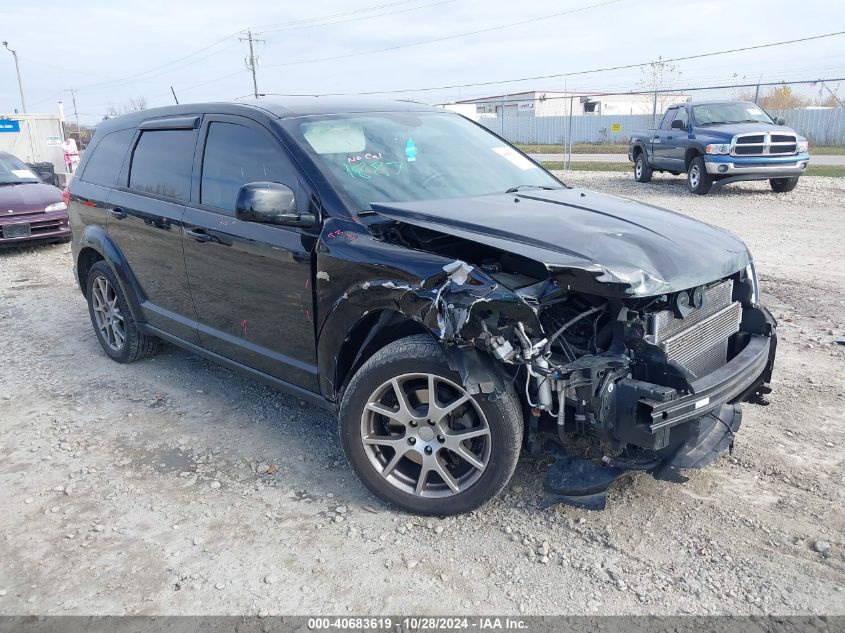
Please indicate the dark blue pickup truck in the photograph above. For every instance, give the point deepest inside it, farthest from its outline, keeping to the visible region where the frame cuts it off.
(720, 142)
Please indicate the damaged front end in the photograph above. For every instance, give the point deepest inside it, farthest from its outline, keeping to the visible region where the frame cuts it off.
(621, 369)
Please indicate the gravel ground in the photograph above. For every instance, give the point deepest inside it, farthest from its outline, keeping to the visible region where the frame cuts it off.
(173, 486)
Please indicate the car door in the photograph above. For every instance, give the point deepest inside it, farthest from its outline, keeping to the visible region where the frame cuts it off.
(251, 282)
(676, 140)
(661, 141)
(146, 209)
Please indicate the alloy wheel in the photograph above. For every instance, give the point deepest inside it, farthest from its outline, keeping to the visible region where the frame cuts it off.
(694, 176)
(107, 313)
(425, 435)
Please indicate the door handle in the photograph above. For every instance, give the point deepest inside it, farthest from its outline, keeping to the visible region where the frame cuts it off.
(668, 138)
(200, 235)
(117, 213)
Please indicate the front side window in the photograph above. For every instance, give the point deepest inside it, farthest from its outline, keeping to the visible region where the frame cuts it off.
(683, 117)
(234, 156)
(162, 163)
(407, 156)
(666, 124)
(107, 158)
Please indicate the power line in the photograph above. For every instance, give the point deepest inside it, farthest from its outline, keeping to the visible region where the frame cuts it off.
(666, 91)
(269, 27)
(446, 37)
(357, 19)
(558, 75)
(159, 67)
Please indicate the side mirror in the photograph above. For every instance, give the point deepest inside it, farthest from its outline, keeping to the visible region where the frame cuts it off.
(780, 121)
(270, 203)
(677, 124)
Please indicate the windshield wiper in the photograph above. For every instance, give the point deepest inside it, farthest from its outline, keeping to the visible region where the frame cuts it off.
(518, 187)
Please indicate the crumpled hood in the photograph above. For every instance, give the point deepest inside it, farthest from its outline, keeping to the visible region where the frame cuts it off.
(28, 197)
(635, 248)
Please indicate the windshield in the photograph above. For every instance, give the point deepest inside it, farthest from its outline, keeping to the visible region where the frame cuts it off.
(714, 113)
(14, 171)
(393, 157)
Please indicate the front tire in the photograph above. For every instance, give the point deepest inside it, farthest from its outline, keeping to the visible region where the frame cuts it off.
(642, 172)
(698, 180)
(113, 323)
(435, 455)
(783, 185)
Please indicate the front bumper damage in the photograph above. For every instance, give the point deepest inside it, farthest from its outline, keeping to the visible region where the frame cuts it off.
(683, 430)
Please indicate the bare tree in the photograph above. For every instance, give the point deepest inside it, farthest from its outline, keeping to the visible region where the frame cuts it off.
(132, 104)
(659, 77)
(783, 98)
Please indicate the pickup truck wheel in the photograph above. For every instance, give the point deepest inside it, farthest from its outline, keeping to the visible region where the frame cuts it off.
(113, 323)
(642, 172)
(783, 185)
(698, 180)
(418, 439)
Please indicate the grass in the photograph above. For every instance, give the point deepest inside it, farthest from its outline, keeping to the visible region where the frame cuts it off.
(577, 148)
(616, 148)
(838, 150)
(578, 165)
(831, 171)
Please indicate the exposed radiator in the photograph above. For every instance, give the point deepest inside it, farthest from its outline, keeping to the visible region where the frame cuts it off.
(703, 347)
(699, 342)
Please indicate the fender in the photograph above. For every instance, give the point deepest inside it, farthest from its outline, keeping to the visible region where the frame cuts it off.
(97, 238)
(447, 298)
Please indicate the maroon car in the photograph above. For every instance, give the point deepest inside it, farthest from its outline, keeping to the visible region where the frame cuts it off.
(30, 211)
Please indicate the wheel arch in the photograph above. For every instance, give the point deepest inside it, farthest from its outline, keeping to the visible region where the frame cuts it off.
(370, 334)
(96, 245)
(690, 154)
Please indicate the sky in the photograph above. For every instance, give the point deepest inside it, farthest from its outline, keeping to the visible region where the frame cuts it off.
(111, 51)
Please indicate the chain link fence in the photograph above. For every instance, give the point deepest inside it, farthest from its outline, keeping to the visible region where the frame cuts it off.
(559, 120)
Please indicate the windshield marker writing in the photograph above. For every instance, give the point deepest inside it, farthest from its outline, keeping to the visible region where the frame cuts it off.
(410, 150)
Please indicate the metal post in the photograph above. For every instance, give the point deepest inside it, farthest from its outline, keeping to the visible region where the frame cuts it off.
(654, 111)
(757, 93)
(18, 71)
(76, 114)
(569, 134)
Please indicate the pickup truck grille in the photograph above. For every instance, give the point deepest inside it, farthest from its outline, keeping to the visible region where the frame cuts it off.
(699, 342)
(764, 144)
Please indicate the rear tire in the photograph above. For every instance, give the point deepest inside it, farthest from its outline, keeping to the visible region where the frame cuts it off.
(393, 437)
(698, 180)
(642, 172)
(113, 322)
(783, 185)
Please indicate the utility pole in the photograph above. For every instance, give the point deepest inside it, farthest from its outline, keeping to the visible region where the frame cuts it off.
(18, 71)
(252, 60)
(72, 92)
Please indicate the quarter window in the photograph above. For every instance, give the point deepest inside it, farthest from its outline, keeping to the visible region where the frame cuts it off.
(162, 163)
(107, 158)
(235, 155)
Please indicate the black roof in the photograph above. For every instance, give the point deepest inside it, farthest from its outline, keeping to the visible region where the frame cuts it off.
(281, 108)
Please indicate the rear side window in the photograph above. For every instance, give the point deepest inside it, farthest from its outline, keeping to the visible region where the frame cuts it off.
(235, 155)
(162, 163)
(107, 158)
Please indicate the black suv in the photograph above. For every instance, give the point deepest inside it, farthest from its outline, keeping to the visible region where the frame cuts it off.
(450, 299)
